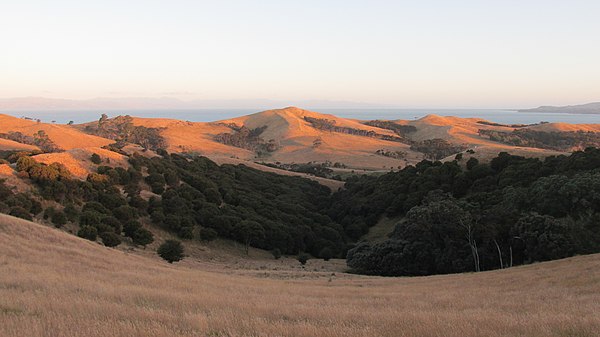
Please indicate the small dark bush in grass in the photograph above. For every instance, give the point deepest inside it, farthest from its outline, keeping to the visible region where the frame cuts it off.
(95, 158)
(276, 253)
(171, 251)
(303, 258)
(142, 237)
(88, 232)
(110, 239)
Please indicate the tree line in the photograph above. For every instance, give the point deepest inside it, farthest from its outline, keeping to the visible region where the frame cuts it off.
(512, 211)
(456, 216)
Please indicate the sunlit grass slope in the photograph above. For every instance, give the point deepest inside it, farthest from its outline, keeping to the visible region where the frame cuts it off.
(54, 284)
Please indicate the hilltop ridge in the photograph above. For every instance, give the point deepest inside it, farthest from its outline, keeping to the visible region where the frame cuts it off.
(292, 136)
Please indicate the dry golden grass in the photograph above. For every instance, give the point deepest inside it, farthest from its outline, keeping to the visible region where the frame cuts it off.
(64, 136)
(78, 161)
(54, 284)
(9, 145)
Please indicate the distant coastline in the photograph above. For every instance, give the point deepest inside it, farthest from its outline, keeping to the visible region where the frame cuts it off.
(586, 109)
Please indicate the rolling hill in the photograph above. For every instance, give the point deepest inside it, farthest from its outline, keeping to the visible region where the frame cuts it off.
(55, 284)
(297, 136)
(298, 141)
(64, 136)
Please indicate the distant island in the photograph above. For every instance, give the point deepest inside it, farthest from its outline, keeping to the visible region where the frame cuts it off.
(590, 108)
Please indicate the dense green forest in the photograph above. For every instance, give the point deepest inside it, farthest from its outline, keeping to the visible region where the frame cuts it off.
(453, 217)
(511, 211)
(194, 198)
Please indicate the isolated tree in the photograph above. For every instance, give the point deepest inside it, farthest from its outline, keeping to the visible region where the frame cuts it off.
(95, 158)
(326, 254)
(171, 251)
(70, 123)
(276, 253)
(303, 258)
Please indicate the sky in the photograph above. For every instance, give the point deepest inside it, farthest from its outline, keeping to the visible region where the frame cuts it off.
(452, 54)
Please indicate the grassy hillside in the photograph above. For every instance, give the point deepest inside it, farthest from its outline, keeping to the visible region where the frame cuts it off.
(54, 284)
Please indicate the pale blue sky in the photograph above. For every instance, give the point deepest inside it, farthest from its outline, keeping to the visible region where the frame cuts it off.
(404, 53)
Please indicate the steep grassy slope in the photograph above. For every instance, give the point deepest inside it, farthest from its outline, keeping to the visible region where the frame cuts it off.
(54, 284)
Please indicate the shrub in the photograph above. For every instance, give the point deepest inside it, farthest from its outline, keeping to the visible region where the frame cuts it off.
(110, 239)
(4, 207)
(131, 227)
(95, 158)
(207, 234)
(125, 213)
(59, 218)
(142, 237)
(276, 253)
(171, 251)
(112, 222)
(20, 212)
(89, 218)
(49, 212)
(25, 163)
(303, 258)
(471, 163)
(36, 207)
(88, 232)
(71, 212)
(186, 233)
(326, 253)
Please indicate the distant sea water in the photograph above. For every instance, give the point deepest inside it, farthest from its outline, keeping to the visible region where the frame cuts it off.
(210, 115)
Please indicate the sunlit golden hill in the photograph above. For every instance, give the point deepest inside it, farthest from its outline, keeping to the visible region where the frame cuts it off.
(296, 136)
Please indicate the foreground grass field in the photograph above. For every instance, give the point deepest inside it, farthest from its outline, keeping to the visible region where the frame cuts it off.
(54, 284)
